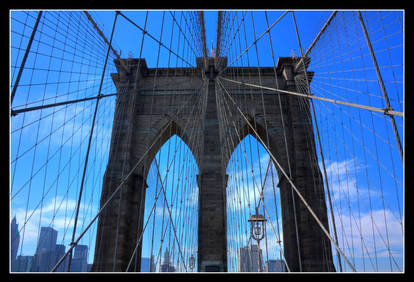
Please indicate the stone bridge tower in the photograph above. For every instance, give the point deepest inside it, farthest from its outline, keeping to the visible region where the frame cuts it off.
(147, 115)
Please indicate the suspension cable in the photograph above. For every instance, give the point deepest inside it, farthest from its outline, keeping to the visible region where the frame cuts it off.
(293, 186)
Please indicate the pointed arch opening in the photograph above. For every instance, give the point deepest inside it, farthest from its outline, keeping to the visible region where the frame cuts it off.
(171, 209)
(167, 129)
(252, 187)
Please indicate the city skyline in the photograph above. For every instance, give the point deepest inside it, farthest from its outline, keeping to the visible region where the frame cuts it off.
(250, 259)
(47, 253)
(362, 168)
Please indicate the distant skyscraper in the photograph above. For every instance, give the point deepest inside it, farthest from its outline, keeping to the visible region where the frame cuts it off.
(47, 239)
(152, 264)
(275, 265)
(81, 252)
(45, 256)
(166, 266)
(60, 251)
(23, 263)
(250, 259)
(14, 243)
(80, 259)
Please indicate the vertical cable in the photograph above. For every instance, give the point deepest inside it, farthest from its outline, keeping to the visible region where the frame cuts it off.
(381, 83)
(89, 144)
(26, 53)
(319, 142)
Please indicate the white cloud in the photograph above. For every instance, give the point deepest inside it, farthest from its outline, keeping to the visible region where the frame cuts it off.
(272, 237)
(249, 182)
(62, 126)
(362, 231)
(339, 168)
(344, 183)
(368, 236)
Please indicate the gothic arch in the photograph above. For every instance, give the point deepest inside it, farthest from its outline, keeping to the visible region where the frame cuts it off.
(234, 138)
(165, 128)
(300, 253)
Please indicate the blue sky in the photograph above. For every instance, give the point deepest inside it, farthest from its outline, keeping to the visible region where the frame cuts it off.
(363, 163)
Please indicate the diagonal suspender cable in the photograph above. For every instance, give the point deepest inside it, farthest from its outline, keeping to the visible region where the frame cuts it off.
(223, 111)
(285, 141)
(292, 185)
(317, 129)
(381, 83)
(29, 44)
(89, 144)
(169, 213)
(104, 38)
(162, 184)
(29, 109)
(318, 36)
(254, 43)
(203, 33)
(369, 108)
(153, 38)
(117, 189)
(343, 61)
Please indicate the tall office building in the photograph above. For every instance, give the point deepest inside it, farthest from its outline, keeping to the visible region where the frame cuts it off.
(275, 265)
(250, 259)
(23, 263)
(60, 252)
(45, 256)
(14, 243)
(167, 266)
(152, 264)
(48, 253)
(80, 259)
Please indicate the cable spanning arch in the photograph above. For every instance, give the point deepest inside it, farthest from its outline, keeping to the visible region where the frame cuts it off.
(345, 176)
(68, 90)
(69, 127)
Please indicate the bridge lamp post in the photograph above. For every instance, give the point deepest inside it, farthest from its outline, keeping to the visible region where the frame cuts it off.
(191, 262)
(257, 230)
(257, 225)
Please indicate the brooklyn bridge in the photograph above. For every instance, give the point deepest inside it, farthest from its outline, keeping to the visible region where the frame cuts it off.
(206, 141)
